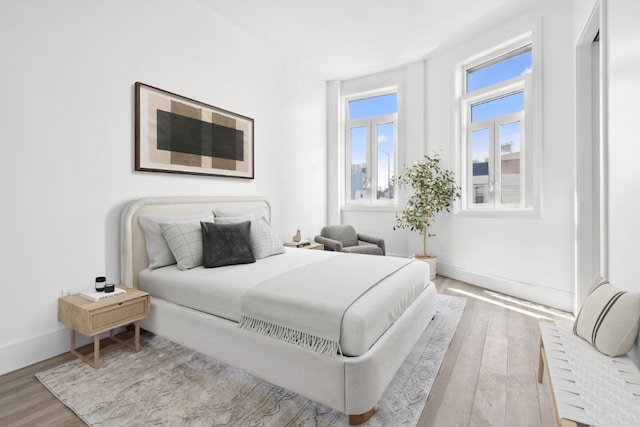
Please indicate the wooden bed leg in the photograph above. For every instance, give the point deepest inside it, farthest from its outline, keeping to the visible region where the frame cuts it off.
(362, 418)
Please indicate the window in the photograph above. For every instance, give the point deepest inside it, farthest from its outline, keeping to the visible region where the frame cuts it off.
(495, 143)
(371, 146)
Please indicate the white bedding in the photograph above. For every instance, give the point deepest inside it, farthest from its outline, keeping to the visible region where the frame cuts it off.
(219, 292)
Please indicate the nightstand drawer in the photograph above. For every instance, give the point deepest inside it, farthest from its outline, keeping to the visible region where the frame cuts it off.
(125, 312)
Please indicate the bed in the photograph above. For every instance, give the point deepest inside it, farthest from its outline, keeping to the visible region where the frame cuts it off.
(371, 348)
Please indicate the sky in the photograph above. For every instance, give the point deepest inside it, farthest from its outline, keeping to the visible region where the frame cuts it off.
(501, 71)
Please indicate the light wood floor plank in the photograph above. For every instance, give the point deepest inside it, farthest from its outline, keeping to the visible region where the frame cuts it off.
(489, 406)
(440, 384)
(522, 391)
(459, 394)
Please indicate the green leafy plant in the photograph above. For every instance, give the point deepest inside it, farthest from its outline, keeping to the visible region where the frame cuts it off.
(434, 190)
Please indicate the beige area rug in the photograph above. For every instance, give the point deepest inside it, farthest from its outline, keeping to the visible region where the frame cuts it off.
(166, 384)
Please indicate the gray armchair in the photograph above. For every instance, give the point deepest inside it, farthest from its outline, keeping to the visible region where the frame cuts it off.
(343, 238)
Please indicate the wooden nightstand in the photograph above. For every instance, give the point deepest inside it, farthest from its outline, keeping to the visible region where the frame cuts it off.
(313, 245)
(92, 318)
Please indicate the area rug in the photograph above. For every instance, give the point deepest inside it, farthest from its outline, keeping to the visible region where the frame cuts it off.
(166, 384)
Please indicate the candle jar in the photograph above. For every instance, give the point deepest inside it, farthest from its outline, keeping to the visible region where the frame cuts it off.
(100, 283)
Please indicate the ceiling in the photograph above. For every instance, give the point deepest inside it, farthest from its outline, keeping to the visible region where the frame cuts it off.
(347, 38)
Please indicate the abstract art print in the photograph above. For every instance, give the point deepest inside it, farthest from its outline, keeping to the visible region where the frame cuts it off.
(180, 135)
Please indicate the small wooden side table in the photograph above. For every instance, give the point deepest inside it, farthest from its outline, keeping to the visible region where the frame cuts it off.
(313, 245)
(91, 318)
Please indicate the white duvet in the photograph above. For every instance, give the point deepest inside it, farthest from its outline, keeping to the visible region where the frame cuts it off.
(219, 291)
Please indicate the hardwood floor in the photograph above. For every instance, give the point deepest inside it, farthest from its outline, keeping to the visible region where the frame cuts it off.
(25, 402)
(488, 377)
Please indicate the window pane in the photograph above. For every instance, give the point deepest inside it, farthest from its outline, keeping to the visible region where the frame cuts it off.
(510, 162)
(496, 72)
(358, 163)
(480, 165)
(497, 107)
(385, 136)
(374, 106)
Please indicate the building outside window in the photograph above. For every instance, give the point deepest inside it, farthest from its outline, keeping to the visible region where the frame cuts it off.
(371, 135)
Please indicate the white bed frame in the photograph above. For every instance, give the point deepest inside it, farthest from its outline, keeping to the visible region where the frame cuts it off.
(351, 385)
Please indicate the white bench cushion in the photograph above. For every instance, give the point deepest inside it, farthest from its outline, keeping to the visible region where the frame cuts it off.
(589, 387)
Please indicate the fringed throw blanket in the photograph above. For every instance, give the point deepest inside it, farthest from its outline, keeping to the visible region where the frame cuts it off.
(305, 306)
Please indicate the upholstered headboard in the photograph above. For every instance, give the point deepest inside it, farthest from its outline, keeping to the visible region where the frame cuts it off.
(133, 251)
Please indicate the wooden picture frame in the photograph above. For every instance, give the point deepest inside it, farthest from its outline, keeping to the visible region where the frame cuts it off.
(175, 134)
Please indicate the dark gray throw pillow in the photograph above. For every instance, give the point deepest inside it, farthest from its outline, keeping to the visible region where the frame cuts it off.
(226, 244)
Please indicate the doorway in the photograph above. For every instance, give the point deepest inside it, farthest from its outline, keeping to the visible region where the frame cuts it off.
(591, 159)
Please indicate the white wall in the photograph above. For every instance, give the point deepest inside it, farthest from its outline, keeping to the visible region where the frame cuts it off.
(623, 70)
(530, 258)
(67, 75)
(582, 9)
(624, 151)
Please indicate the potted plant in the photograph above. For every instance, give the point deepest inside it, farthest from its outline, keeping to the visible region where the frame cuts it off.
(434, 190)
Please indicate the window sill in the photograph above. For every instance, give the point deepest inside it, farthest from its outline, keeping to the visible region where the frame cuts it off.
(499, 213)
(370, 208)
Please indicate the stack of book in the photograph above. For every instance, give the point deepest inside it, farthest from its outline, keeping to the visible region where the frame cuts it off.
(93, 295)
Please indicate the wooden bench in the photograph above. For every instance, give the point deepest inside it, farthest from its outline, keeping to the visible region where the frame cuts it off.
(586, 386)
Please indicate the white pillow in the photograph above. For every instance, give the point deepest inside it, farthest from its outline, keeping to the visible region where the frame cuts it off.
(158, 251)
(609, 319)
(185, 241)
(264, 240)
(255, 214)
(234, 219)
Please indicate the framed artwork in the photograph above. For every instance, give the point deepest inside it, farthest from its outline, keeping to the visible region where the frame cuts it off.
(180, 135)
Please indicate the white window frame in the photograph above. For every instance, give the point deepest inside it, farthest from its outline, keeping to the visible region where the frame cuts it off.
(370, 123)
(495, 143)
(530, 129)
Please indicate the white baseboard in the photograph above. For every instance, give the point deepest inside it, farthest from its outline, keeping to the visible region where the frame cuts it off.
(18, 354)
(397, 255)
(542, 295)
